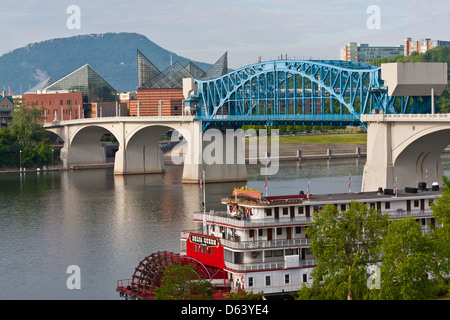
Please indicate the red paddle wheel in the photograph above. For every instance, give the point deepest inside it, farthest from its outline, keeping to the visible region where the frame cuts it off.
(147, 276)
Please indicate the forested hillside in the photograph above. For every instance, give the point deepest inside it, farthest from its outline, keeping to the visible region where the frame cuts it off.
(112, 55)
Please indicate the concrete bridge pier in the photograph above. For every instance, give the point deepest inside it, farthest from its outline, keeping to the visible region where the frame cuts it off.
(404, 147)
(220, 154)
(141, 154)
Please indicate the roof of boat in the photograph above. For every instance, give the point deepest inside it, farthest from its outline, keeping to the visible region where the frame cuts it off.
(384, 195)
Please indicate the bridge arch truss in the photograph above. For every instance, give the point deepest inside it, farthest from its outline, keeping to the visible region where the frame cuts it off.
(298, 92)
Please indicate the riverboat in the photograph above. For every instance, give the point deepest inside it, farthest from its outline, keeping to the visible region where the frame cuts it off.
(258, 243)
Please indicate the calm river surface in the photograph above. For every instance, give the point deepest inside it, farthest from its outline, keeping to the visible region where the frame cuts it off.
(107, 224)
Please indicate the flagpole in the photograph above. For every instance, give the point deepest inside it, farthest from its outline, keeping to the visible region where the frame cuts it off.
(307, 191)
(349, 184)
(265, 183)
(203, 186)
(204, 192)
(395, 187)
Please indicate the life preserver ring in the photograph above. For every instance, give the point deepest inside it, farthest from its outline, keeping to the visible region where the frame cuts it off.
(233, 208)
(247, 210)
(254, 254)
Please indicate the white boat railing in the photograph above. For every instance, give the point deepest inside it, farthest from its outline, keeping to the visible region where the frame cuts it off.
(224, 218)
(265, 243)
(266, 265)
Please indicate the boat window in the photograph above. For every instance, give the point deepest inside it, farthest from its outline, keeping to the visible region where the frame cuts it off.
(387, 205)
(277, 253)
(267, 280)
(279, 231)
(268, 212)
(250, 281)
(285, 211)
(416, 203)
(300, 210)
(305, 277)
(298, 229)
(287, 279)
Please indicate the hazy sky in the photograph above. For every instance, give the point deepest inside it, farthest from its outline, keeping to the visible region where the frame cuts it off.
(203, 30)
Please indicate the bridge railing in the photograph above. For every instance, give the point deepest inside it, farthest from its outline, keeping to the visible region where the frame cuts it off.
(290, 117)
(121, 118)
(406, 117)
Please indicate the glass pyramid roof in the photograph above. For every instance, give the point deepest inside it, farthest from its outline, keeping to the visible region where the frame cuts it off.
(149, 76)
(41, 85)
(146, 69)
(88, 81)
(219, 68)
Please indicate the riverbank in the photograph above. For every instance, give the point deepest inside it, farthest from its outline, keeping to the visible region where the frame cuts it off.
(288, 151)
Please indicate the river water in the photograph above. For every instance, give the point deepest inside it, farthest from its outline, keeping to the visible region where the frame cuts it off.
(107, 224)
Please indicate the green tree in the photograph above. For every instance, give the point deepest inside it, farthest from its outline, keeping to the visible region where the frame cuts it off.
(244, 295)
(407, 259)
(343, 243)
(9, 148)
(26, 124)
(441, 235)
(182, 282)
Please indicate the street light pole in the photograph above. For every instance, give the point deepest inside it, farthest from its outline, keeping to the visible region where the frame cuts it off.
(20, 166)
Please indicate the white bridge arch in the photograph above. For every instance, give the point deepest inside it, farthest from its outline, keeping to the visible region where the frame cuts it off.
(139, 151)
(406, 147)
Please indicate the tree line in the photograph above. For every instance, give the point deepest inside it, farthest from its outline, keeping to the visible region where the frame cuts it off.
(282, 129)
(25, 142)
(404, 262)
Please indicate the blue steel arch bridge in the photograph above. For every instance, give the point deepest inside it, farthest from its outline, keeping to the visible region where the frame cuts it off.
(318, 92)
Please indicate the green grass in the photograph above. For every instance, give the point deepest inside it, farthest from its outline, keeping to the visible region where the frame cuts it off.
(348, 138)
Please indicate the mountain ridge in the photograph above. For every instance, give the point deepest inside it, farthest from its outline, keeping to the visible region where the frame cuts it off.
(112, 55)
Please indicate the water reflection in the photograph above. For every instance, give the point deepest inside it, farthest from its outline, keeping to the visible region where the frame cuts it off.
(106, 224)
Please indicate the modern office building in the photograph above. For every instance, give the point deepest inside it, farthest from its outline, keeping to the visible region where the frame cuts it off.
(423, 45)
(364, 53)
(160, 93)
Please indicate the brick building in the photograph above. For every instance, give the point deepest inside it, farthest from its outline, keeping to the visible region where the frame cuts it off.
(58, 106)
(160, 93)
